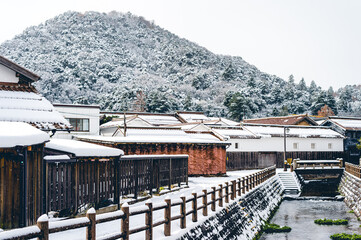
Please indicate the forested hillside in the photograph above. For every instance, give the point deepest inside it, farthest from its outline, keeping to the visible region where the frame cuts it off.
(124, 62)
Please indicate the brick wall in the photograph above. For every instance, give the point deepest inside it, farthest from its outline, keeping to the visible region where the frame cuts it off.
(204, 159)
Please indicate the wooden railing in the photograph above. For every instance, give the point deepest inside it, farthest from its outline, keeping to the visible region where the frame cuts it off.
(353, 169)
(317, 164)
(219, 195)
(72, 185)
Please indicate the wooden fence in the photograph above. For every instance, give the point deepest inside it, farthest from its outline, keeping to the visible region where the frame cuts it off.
(71, 185)
(254, 160)
(223, 193)
(353, 169)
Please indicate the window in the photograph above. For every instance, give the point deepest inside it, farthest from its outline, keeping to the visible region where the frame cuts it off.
(330, 146)
(236, 145)
(79, 124)
(295, 145)
(313, 145)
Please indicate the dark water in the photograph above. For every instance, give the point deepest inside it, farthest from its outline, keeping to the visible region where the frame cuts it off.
(299, 215)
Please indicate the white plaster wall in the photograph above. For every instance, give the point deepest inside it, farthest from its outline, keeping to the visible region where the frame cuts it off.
(80, 112)
(7, 75)
(275, 144)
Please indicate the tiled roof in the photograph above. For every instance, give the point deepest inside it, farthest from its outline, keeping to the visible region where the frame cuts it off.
(17, 87)
(287, 120)
(21, 104)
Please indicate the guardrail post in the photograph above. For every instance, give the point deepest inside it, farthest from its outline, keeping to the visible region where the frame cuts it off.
(194, 207)
(90, 230)
(43, 225)
(220, 195)
(183, 212)
(227, 192)
(125, 221)
(149, 220)
(234, 194)
(205, 202)
(213, 199)
(167, 217)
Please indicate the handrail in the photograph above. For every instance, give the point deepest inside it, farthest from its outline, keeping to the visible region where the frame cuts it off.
(353, 169)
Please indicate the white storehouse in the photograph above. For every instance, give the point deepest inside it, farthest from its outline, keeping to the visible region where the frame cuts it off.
(263, 145)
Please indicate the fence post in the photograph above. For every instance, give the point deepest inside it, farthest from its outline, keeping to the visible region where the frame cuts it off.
(183, 212)
(220, 195)
(167, 217)
(213, 199)
(149, 220)
(170, 174)
(234, 190)
(239, 186)
(125, 221)
(194, 207)
(227, 192)
(254, 180)
(247, 183)
(90, 230)
(243, 186)
(205, 202)
(43, 225)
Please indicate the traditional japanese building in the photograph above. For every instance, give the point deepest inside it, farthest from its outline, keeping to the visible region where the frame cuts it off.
(20, 102)
(261, 145)
(21, 174)
(351, 128)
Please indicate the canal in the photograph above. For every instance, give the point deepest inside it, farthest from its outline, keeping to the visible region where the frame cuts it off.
(300, 216)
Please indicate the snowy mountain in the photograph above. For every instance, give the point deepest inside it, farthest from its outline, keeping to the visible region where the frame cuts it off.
(124, 62)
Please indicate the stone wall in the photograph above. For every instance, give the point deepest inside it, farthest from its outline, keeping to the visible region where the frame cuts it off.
(350, 187)
(241, 219)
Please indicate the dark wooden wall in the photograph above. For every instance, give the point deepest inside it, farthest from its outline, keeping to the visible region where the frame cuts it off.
(13, 212)
(252, 160)
(10, 189)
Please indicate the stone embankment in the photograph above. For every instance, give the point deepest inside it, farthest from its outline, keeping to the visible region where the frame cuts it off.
(242, 218)
(350, 187)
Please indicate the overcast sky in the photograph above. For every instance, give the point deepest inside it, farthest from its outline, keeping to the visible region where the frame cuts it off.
(316, 39)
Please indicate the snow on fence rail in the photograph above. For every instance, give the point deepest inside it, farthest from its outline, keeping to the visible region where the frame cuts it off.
(353, 169)
(220, 194)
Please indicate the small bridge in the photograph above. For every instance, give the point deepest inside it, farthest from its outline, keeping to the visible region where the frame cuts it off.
(318, 177)
(318, 166)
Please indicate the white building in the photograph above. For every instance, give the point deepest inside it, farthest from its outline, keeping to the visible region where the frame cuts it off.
(83, 118)
(263, 145)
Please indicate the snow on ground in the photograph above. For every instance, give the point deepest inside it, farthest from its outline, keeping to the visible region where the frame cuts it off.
(196, 184)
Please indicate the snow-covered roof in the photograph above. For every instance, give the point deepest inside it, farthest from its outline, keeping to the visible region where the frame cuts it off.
(348, 123)
(156, 135)
(30, 107)
(239, 133)
(131, 121)
(20, 134)
(83, 149)
(193, 117)
(301, 132)
(223, 121)
(159, 120)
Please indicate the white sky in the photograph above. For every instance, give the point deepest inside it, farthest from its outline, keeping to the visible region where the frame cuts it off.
(316, 39)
